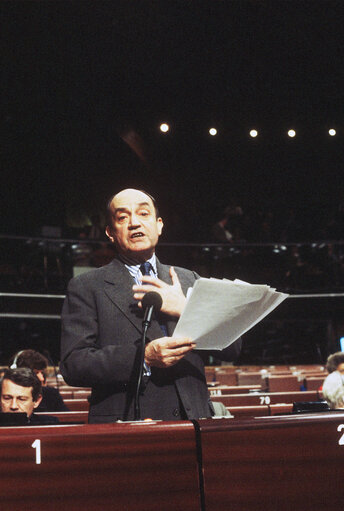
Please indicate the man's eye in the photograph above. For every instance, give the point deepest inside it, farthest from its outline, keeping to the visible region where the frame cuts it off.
(23, 399)
(144, 213)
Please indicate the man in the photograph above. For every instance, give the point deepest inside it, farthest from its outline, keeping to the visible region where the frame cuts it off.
(52, 400)
(333, 386)
(21, 392)
(102, 323)
(335, 362)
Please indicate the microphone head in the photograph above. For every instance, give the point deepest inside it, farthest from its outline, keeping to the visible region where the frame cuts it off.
(152, 299)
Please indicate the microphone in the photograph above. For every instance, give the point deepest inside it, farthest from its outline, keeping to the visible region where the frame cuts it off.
(151, 302)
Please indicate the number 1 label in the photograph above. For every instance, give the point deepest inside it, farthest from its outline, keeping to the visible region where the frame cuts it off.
(37, 445)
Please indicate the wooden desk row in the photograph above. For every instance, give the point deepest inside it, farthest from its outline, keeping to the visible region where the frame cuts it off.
(272, 383)
(208, 465)
(265, 398)
(231, 401)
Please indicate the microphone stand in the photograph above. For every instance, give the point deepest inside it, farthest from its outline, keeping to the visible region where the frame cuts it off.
(145, 325)
(151, 302)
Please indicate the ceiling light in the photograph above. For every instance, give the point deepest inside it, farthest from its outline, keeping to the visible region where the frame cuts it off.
(164, 127)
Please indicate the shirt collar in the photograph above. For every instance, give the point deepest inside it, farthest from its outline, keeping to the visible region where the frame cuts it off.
(133, 265)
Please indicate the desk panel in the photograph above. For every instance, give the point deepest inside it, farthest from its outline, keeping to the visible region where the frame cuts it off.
(266, 398)
(99, 467)
(274, 463)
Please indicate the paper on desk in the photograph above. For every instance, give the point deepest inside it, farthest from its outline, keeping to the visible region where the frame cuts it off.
(219, 311)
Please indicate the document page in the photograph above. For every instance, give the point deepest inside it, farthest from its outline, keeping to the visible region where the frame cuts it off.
(218, 311)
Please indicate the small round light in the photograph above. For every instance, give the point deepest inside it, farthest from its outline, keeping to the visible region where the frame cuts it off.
(164, 127)
(291, 133)
(213, 132)
(253, 133)
(332, 132)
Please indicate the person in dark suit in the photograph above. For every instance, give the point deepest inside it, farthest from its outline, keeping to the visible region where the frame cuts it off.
(21, 392)
(102, 323)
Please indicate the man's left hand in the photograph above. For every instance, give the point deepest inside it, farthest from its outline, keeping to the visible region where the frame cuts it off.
(173, 299)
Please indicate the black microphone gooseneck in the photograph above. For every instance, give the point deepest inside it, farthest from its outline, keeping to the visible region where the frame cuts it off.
(151, 302)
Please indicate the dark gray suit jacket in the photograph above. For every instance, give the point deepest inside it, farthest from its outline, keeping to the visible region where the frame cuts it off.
(101, 331)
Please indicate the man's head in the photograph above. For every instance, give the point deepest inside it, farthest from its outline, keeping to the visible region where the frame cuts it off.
(335, 362)
(32, 359)
(133, 224)
(21, 391)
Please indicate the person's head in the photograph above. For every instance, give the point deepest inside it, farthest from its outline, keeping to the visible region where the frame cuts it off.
(133, 224)
(21, 391)
(335, 362)
(333, 390)
(33, 360)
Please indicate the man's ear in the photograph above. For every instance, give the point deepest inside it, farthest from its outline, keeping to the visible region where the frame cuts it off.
(160, 225)
(109, 233)
(37, 403)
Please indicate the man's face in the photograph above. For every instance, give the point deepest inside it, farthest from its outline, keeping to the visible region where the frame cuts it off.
(135, 230)
(15, 398)
(340, 368)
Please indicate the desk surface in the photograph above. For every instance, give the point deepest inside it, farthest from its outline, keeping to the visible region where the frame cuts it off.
(99, 467)
(265, 463)
(274, 463)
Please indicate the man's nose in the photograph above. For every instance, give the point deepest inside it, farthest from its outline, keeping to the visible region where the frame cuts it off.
(14, 404)
(134, 221)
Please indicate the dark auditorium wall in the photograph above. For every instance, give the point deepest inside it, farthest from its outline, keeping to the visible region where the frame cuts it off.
(79, 76)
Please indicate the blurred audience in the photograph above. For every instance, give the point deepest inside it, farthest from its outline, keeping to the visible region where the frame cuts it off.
(228, 228)
(333, 386)
(21, 392)
(97, 229)
(51, 398)
(299, 252)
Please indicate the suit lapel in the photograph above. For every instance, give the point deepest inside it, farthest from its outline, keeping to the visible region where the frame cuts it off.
(118, 285)
(164, 274)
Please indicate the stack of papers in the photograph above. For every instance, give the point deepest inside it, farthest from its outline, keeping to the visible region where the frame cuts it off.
(218, 312)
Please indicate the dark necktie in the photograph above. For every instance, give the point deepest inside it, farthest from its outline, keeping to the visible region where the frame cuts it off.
(145, 269)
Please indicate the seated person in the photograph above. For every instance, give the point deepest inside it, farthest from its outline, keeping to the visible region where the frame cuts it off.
(220, 410)
(52, 400)
(21, 392)
(333, 386)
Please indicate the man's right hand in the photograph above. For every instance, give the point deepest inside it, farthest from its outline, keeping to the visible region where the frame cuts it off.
(167, 351)
(173, 299)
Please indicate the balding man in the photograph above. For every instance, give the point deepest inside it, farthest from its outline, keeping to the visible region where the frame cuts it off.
(102, 323)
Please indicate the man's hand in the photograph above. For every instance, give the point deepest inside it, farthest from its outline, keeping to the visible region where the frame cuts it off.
(173, 299)
(167, 351)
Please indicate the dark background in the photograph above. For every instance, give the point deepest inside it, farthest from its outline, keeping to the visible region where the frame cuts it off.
(84, 86)
(78, 78)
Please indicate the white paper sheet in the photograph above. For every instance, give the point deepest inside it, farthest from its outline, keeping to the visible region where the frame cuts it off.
(219, 311)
